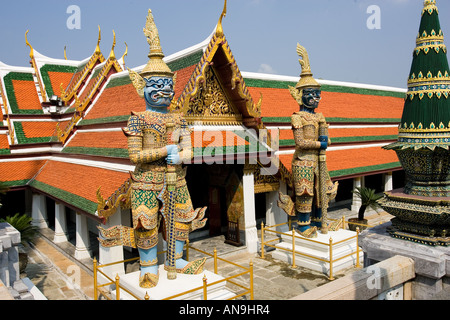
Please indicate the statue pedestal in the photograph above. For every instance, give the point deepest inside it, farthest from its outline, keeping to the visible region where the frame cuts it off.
(319, 249)
(431, 263)
(167, 288)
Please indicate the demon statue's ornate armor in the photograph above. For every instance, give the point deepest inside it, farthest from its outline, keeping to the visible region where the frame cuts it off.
(157, 140)
(313, 188)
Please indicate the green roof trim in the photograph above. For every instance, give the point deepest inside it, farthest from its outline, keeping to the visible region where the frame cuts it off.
(16, 183)
(360, 170)
(105, 152)
(119, 81)
(54, 68)
(86, 122)
(70, 198)
(278, 84)
(291, 142)
(8, 81)
(363, 138)
(287, 120)
(186, 61)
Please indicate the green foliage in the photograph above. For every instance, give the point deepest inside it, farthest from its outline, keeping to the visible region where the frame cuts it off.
(22, 223)
(368, 199)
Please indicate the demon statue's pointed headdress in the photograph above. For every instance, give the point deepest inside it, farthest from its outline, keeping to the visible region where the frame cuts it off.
(306, 77)
(156, 67)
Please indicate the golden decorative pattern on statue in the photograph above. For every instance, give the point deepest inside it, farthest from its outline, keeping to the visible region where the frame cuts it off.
(117, 236)
(146, 239)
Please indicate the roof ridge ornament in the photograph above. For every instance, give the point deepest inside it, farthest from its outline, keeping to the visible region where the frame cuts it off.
(219, 29)
(28, 44)
(97, 48)
(112, 55)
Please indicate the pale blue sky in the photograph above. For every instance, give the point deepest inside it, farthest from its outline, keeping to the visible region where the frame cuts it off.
(262, 34)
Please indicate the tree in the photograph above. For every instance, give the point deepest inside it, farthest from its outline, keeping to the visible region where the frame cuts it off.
(368, 200)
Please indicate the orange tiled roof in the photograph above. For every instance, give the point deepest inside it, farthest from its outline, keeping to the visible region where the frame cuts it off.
(58, 78)
(214, 139)
(348, 159)
(19, 170)
(363, 157)
(115, 139)
(4, 144)
(279, 103)
(351, 105)
(355, 132)
(81, 180)
(122, 99)
(38, 129)
(26, 95)
(116, 101)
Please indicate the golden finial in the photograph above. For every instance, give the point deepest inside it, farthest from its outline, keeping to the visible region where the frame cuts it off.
(28, 44)
(65, 53)
(97, 49)
(219, 29)
(112, 55)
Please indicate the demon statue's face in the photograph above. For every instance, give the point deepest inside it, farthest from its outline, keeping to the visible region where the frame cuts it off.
(158, 92)
(311, 97)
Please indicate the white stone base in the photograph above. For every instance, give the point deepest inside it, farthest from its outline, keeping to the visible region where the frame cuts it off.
(319, 248)
(167, 288)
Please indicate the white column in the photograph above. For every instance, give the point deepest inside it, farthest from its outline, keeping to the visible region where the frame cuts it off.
(39, 211)
(388, 181)
(356, 201)
(113, 254)
(250, 231)
(82, 238)
(61, 234)
(274, 214)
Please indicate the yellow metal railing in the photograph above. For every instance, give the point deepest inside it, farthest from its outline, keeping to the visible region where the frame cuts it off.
(232, 279)
(294, 251)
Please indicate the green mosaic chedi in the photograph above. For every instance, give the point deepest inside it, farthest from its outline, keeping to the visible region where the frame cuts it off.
(427, 104)
(424, 132)
(422, 208)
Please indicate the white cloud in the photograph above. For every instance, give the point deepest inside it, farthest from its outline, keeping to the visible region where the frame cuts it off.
(265, 68)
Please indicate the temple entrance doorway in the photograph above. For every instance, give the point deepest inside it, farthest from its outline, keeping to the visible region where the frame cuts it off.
(219, 187)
